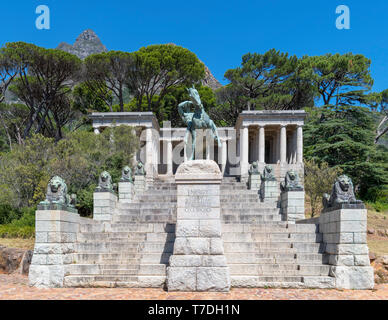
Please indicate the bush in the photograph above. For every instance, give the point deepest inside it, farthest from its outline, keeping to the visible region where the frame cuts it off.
(8, 214)
(12, 231)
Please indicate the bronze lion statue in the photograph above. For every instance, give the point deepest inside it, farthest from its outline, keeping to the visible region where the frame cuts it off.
(342, 193)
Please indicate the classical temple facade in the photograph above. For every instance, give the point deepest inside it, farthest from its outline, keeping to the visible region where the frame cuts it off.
(269, 137)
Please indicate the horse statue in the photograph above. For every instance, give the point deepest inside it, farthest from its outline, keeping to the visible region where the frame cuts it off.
(198, 119)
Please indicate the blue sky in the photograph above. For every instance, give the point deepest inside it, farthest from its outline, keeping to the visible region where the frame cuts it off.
(219, 32)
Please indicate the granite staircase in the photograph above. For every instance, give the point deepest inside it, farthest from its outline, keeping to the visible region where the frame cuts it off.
(261, 249)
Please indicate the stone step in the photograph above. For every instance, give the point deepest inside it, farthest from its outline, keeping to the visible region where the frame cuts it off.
(154, 205)
(148, 211)
(276, 236)
(305, 258)
(142, 227)
(250, 211)
(92, 227)
(109, 247)
(155, 258)
(279, 269)
(147, 218)
(111, 236)
(301, 282)
(158, 247)
(302, 247)
(269, 257)
(94, 258)
(246, 228)
(255, 247)
(102, 282)
(96, 269)
(268, 278)
(260, 226)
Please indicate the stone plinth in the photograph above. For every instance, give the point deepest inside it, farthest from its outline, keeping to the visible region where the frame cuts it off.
(344, 235)
(292, 204)
(254, 182)
(269, 190)
(56, 235)
(104, 203)
(198, 262)
(139, 184)
(126, 190)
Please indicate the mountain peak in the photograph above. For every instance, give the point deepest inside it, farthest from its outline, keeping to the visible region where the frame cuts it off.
(87, 35)
(86, 44)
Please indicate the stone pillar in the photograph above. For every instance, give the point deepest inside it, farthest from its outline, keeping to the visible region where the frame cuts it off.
(104, 203)
(139, 184)
(149, 163)
(344, 234)
(169, 158)
(56, 230)
(262, 145)
(244, 152)
(292, 204)
(283, 144)
(254, 182)
(269, 190)
(224, 156)
(198, 262)
(126, 190)
(299, 145)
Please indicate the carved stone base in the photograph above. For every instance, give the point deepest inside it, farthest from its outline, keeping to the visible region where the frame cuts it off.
(198, 262)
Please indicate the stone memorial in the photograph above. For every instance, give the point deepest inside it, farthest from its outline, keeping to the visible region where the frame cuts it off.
(198, 262)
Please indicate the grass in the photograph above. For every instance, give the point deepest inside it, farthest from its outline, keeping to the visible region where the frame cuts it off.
(17, 243)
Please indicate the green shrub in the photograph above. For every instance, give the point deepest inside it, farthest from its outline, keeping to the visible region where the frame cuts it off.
(8, 214)
(12, 231)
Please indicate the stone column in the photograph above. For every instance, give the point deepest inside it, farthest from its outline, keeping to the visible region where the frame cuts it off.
(244, 151)
(139, 184)
(198, 262)
(149, 152)
(299, 145)
(292, 204)
(344, 234)
(104, 203)
(262, 145)
(283, 144)
(224, 156)
(169, 158)
(126, 190)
